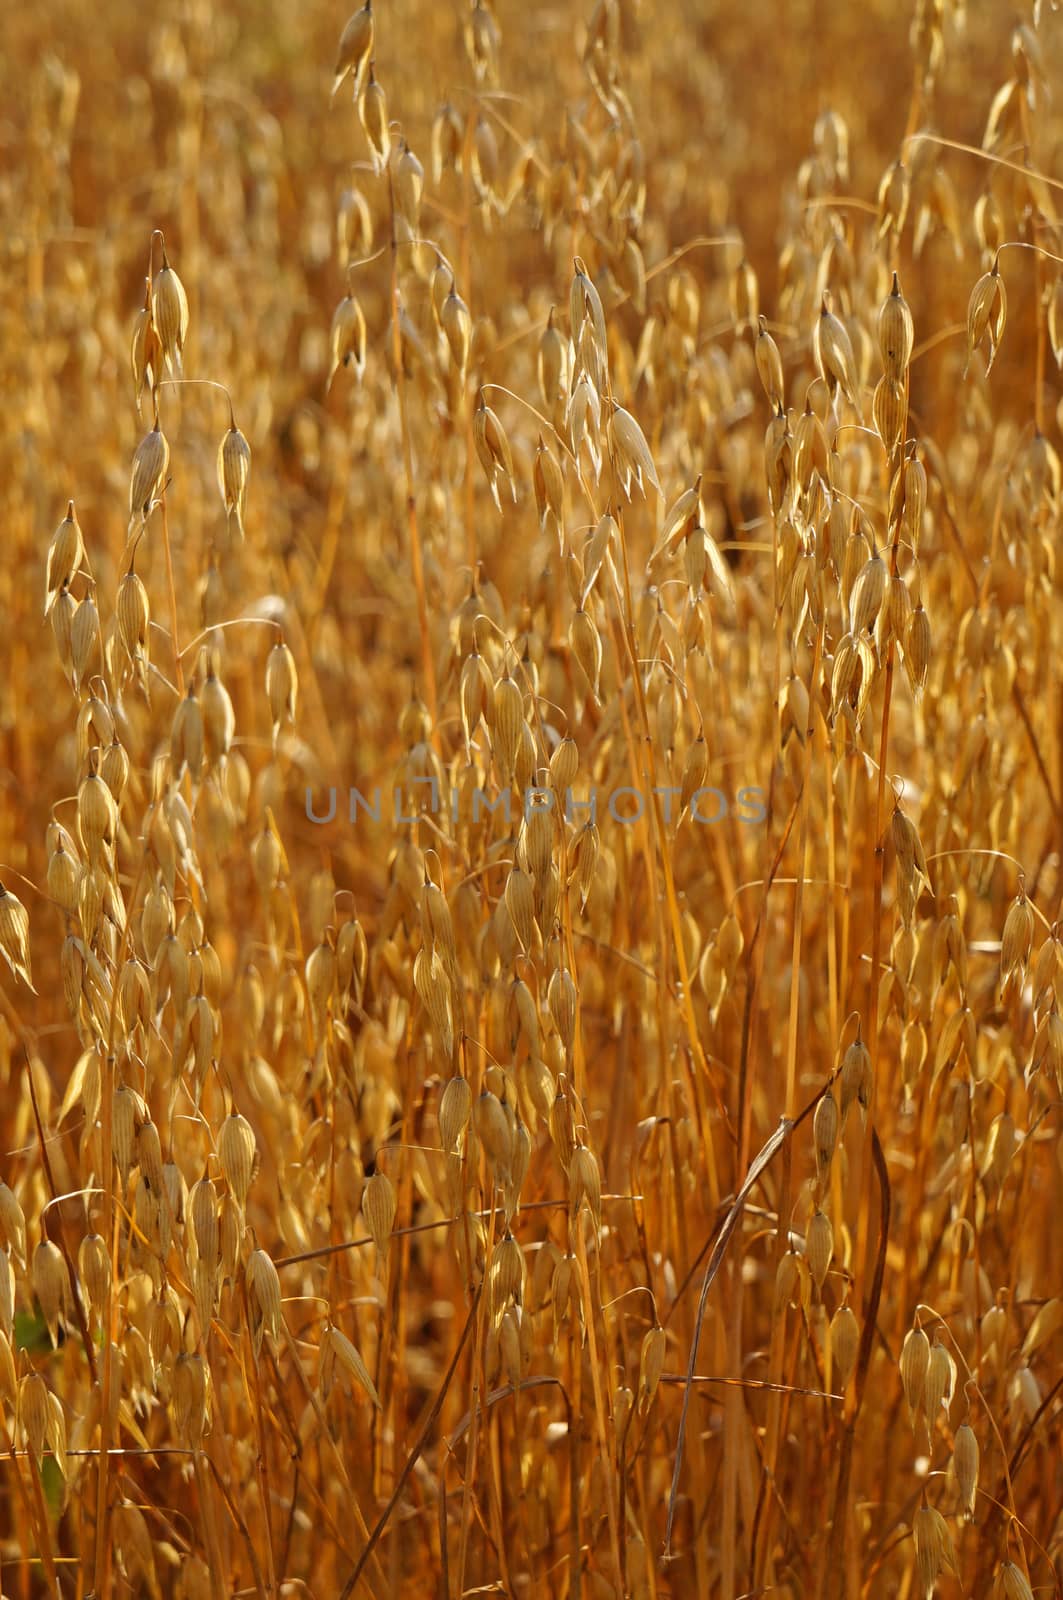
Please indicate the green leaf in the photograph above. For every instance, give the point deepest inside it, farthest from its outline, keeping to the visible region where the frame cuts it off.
(52, 1484)
(31, 1332)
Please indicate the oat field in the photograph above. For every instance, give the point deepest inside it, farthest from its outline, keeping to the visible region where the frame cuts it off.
(531, 800)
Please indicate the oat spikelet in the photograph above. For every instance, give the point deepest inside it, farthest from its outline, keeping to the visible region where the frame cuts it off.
(409, 186)
(1012, 1583)
(492, 447)
(355, 48)
(150, 462)
(379, 1203)
(238, 1155)
(651, 1365)
(345, 1356)
(987, 313)
(145, 351)
(844, 1343)
(264, 1296)
(282, 687)
(373, 115)
(825, 1125)
(169, 315)
(482, 41)
(896, 332)
(15, 935)
(234, 468)
(65, 555)
(455, 1109)
(833, 351)
(12, 1224)
(347, 339)
(34, 1413)
(769, 366)
(50, 1284)
(933, 1547)
(456, 323)
(585, 1183)
(628, 444)
(965, 1457)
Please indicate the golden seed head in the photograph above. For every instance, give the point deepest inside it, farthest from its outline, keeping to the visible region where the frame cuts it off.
(631, 451)
(12, 1224)
(825, 1125)
(651, 1364)
(203, 1209)
(237, 1153)
(282, 686)
(564, 765)
(914, 1363)
(585, 1182)
(917, 648)
(379, 1204)
(492, 447)
(433, 987)
(1012, 1583)
(234, 469)
(933, 1547)
(264, 1294)
(552, 365)
(965, 1455)
(14, 935)
(869, 591)
(940, 1381)
(149, 1154)
(561, 999)
(833, 351)
(506, 724)
(219, 719)
(320, 977)
(506, 1274)
(347, 338)
(65, 555)
(844, 1343)
(457, 327)
(987, 312)
(1017, 939)
(409, 186)
(34, 1413)
(355, 47)
(84, 640)
(127, 1114)
(890, 412)
(455, 1109)
(169, 315)
(337, 1351)
(520, 903)
(587, 648)
(856, 1078)
(373, 115)
(187, 737)
(63, 610)
(150, 463)
(50, 1283)
(145, 349)
(495, 1133)
(896, 332)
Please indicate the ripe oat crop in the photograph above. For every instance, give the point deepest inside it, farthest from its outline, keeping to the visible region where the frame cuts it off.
(626, 1163)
